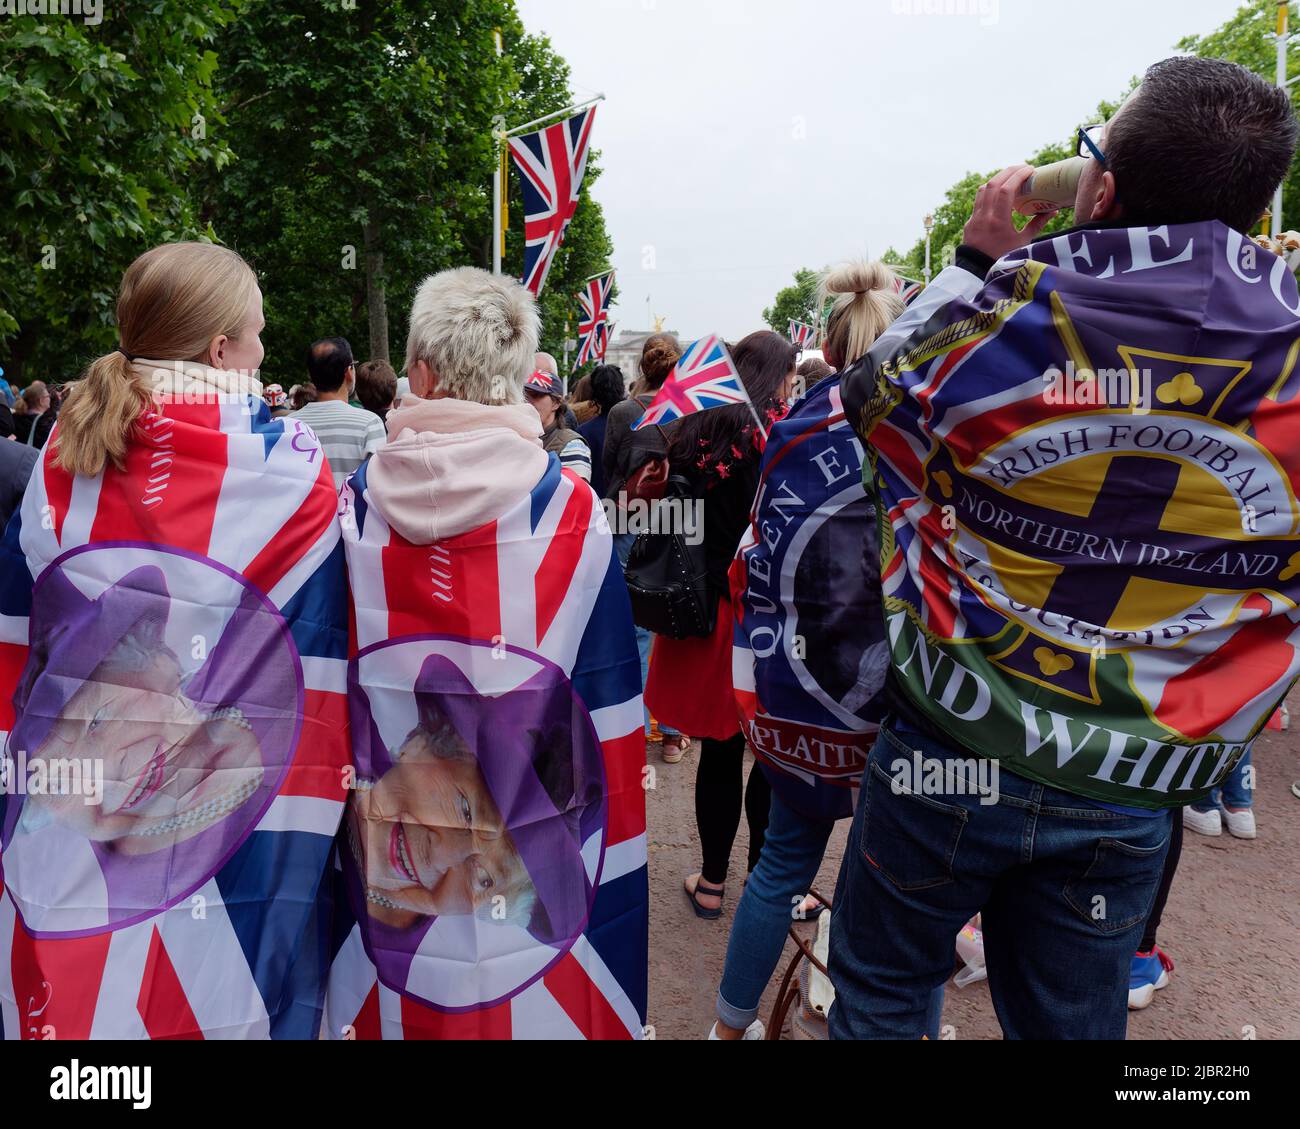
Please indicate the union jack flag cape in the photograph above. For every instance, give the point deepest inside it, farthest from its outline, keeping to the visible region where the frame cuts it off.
(803, 337)
(551, 164)
(706, 377)
(810, 656)
(176, 629)
(1088, 466)
(594, 326)
(495, 848)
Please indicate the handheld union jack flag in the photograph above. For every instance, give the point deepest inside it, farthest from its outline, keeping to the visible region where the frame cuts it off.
(706, 377)
(594, 325)
(551, 164)
(803, 336)
(908, 290)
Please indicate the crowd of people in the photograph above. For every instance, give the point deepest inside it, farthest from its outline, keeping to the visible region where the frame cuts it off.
(868, 642)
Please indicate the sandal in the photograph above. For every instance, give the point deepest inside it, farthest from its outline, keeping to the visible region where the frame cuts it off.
(692, 896)
(675, 748)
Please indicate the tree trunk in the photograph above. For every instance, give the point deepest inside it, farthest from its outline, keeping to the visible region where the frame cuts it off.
(376, 300)
(20, 351)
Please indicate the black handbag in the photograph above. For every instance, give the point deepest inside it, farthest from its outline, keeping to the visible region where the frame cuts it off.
(668, 581)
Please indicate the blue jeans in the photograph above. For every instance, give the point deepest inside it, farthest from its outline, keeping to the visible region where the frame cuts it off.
(1065, 888)
(792, 855)
(623, 543)
(1234, 794)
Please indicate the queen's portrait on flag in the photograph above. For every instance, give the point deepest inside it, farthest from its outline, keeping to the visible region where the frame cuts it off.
(193, 741)
(479, 822)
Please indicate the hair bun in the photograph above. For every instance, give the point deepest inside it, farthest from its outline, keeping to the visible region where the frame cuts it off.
(859, 277)
(659, 358)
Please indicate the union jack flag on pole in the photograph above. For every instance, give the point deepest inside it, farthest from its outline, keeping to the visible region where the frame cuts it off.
(803, 336)
(551, 164)
(706, 377)
(594, 325)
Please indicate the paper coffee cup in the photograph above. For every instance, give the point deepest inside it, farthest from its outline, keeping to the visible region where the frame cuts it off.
(1051, 188)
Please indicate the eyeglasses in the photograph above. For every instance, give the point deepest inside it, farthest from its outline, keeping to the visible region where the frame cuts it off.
(1090, 139)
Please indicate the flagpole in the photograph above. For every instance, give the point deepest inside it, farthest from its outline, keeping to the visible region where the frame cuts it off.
(558, 114)
(498, 162)
(500, 137)
(1283, 28)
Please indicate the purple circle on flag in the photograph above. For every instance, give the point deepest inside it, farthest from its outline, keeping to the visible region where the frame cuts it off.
(475, 839)
(161, 705)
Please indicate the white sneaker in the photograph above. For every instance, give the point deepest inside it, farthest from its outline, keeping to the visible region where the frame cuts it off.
(755, 1033)
(1241, 824)
(1203, 822)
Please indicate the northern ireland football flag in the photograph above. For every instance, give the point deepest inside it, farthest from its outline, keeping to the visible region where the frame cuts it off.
(551, 164)
(706, 377)
(594, 325)
(173, 651)
(803, 336)
(494, 852)
(1087, 467)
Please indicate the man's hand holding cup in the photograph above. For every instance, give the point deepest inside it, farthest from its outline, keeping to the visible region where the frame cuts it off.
(991, 228)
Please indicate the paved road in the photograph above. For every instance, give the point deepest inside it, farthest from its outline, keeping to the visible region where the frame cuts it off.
(1232, 926)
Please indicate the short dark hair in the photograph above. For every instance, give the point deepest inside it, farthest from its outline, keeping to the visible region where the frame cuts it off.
(328, 362)
(1203, 139)
(300, 395)
(608, 388)
(376, 386)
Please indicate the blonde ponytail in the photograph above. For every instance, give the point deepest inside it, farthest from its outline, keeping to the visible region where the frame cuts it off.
(174, 301)
(867, 302)
(97, 422)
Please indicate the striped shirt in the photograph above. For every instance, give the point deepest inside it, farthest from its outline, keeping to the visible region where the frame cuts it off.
(576, 457)
(348, 435)
(572, 449)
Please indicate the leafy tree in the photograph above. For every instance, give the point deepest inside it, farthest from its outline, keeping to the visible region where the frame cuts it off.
(1249, 38)
(892, 258)
(794, 303)
(364, 135)
(100, 126)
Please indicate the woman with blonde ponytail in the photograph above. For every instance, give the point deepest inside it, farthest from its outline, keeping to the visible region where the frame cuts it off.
(175, 579)
(187, 314)
(866, 302)
(816, 590)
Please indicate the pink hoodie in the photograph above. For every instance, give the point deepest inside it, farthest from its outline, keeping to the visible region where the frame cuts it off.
(452, 466)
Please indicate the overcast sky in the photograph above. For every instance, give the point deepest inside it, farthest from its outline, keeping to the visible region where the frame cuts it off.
(743, 139)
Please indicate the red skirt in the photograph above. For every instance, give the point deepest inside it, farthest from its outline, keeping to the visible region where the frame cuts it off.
(689, 687)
